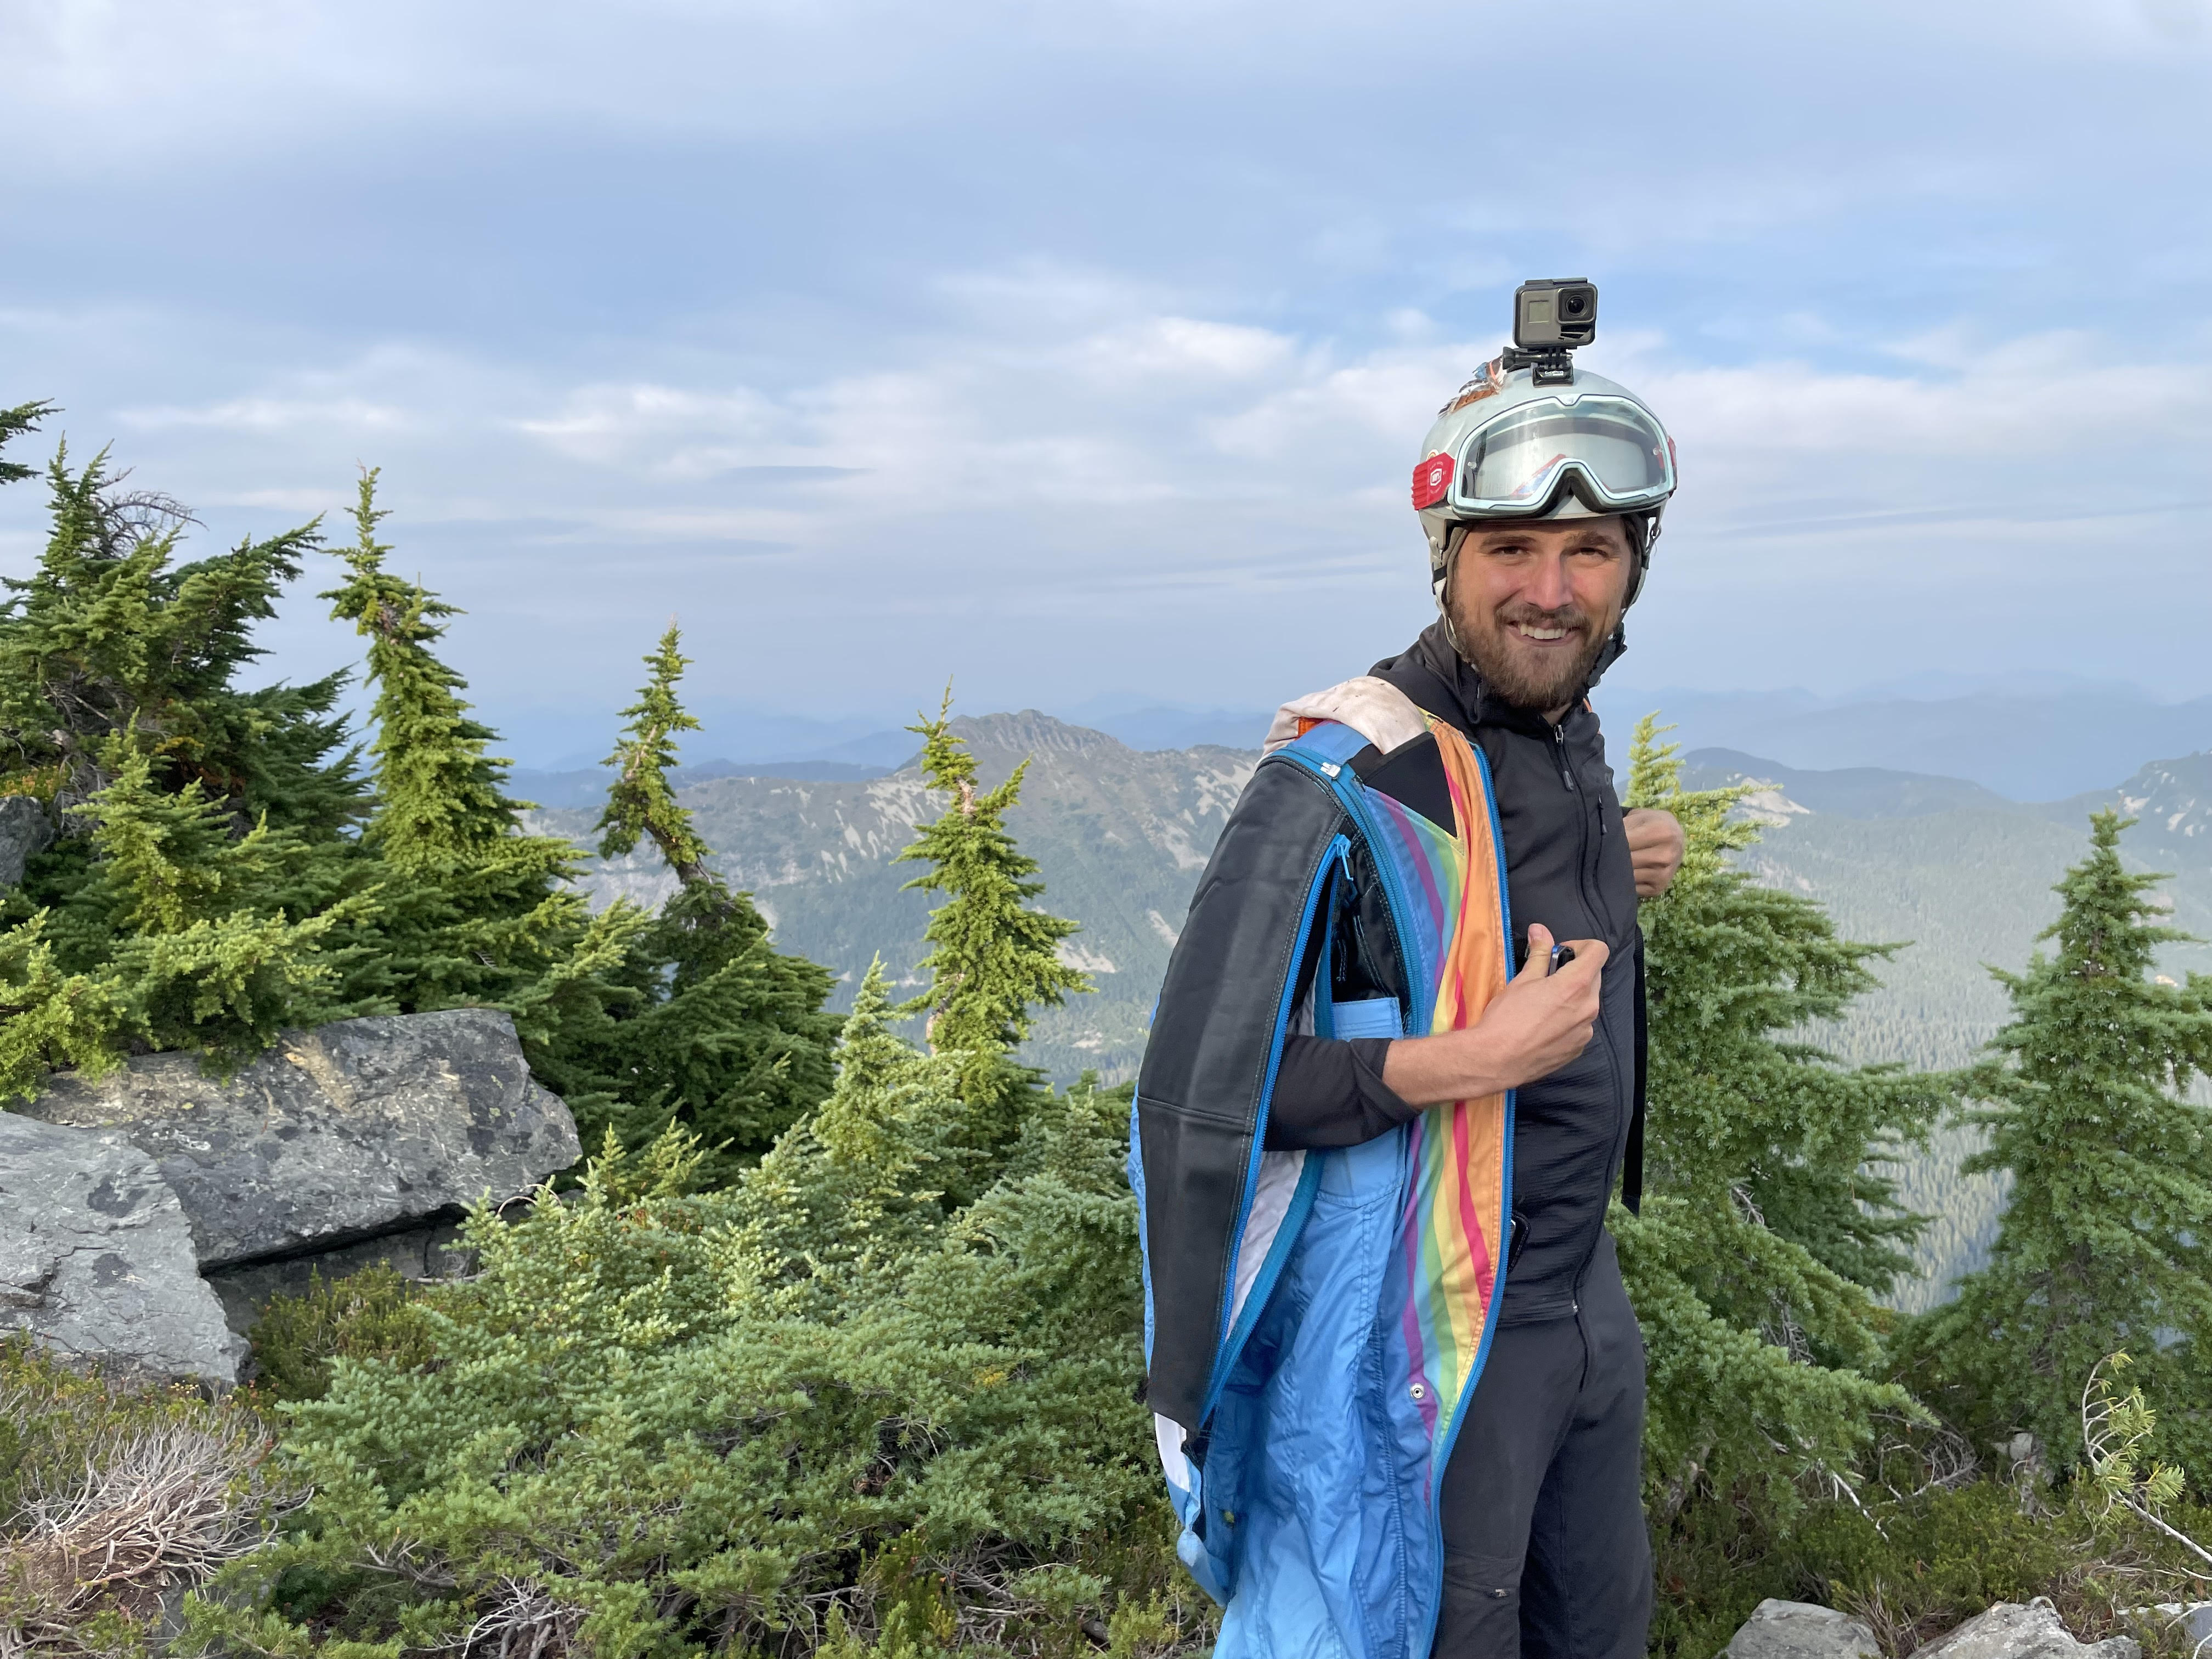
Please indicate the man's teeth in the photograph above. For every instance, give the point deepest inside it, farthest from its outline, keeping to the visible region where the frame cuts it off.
(1527, 632)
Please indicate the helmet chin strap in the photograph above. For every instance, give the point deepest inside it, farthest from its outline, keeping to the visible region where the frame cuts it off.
(1440, 585)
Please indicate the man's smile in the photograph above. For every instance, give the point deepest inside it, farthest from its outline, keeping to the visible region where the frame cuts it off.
(1543, 635)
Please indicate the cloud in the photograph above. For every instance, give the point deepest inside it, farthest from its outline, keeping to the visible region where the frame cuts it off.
(259, 415)
(1082, 349)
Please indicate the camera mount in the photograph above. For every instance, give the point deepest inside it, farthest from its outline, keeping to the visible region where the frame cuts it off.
(1553, 366)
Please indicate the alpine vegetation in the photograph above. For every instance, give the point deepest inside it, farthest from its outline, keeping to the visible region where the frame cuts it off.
(831, 1403)
(836, 1345)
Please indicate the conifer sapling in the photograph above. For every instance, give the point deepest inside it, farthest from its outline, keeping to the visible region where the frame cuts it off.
(2104, 1245)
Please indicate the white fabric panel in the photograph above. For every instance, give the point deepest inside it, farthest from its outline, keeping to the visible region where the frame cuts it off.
(1167, 1435)
(1374, 708)
(1271, 1202)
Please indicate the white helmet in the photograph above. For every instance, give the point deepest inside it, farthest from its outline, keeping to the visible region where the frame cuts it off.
(1525, 440)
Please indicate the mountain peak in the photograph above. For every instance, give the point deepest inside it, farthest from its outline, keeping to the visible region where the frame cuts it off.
(1032, 732)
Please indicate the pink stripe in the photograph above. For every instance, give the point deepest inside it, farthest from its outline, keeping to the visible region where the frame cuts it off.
(1470, 1224)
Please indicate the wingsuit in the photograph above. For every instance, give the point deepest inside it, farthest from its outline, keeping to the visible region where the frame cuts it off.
(1398, 1387)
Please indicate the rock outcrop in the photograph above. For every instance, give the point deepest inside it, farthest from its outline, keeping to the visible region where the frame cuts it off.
(2011, 1630)
(96, 1258)
(25, 829)
(141, 1211)
(1801, 1630)
(354, 1130)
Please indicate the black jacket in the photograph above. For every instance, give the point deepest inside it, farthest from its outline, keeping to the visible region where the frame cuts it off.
(1567, 866)
(1210, 1084)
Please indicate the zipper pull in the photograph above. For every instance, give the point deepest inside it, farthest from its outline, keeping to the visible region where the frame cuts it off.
(1560, 751)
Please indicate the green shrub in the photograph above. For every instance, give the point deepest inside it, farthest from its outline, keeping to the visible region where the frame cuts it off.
(367, 1314)
(1914, 1564)
(822, 1408)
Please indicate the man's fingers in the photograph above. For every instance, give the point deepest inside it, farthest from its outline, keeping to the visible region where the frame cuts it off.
(1589, 956)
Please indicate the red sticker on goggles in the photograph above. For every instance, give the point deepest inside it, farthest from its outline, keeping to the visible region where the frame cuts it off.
(1432, 481)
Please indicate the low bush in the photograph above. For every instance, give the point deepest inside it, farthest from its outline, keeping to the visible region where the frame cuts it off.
(823, 1410)
(369, 1314)
(1916, 1566)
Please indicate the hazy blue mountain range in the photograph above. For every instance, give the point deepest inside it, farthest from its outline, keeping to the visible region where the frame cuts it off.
(2041, 738)
(1958, 870)
(2029, 737)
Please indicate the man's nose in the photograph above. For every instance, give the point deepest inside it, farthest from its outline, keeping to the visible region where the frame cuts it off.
(1547, 587)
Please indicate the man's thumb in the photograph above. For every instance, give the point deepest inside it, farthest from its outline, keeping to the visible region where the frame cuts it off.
(1538, 963)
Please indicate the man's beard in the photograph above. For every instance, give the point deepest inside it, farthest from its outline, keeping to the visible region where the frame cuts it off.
(1526, 675)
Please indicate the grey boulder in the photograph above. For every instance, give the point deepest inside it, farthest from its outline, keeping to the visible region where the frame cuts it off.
(96, 1259)
(2011, 1630)
(1801, 1630)
(350, 1131)
(25, 829)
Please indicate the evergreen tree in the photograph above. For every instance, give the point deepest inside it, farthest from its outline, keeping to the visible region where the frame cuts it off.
(2106, 1243)
(174, 934)
(709, 1026)
(1764, 1234)
(992, 957)
(641, 802)
(204, 885)
(476, 909)
(858, 1182)
(109, 635)
(13, 423)
(438, 792)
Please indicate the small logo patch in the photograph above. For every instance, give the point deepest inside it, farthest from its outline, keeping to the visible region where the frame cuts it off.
(1432, 482)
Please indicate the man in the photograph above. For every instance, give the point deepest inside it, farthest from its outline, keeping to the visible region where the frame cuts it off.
(1382, 1445)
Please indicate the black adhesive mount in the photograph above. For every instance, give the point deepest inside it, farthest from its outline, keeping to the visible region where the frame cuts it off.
(1554, 365)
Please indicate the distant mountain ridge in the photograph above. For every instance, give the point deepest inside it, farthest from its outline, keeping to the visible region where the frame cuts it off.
(1121, 834)
(2029, 737)
(2023, 744)
(1951, 866)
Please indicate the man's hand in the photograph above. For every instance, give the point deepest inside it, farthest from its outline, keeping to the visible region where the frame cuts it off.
(1656, 844)
(1536, 1025)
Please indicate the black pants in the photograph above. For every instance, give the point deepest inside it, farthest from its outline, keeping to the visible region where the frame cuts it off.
(1546, 1555)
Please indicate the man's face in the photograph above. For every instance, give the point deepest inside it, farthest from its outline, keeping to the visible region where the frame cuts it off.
(1535, 604)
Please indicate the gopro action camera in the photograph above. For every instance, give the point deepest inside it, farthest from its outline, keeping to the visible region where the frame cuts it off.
(1552, 315)
(1555, 312)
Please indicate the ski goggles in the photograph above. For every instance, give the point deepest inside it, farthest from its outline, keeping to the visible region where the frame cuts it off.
(1611, 453)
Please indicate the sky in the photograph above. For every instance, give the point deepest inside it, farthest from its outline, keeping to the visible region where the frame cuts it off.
(1083, 351)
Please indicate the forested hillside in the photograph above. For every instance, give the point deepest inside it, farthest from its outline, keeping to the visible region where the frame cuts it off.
(1958, 874)
(1121, 835)
(1966, 876)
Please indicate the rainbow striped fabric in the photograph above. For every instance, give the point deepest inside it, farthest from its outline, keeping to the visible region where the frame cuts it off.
(1453, 1233)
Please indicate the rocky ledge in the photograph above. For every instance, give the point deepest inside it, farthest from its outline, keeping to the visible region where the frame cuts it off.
(141, 1205)
(96, 1258)
(1801, 1630)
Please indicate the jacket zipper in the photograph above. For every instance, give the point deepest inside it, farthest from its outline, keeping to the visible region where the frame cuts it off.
(1593, 896)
